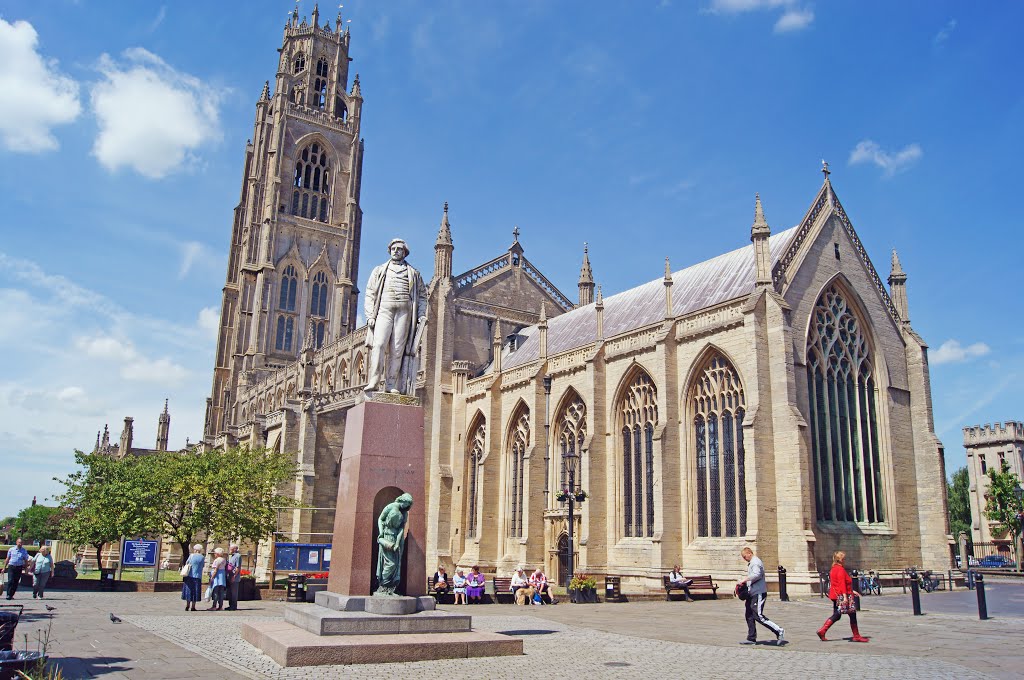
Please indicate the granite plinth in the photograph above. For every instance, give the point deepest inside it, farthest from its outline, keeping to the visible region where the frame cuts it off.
(290, 646)
(397, 606)
(323, 621)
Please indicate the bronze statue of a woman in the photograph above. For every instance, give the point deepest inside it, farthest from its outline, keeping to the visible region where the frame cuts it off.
(391, 533)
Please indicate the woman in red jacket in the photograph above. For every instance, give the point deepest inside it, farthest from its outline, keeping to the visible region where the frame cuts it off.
(841, 589)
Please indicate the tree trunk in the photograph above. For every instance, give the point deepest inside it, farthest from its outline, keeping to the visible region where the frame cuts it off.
(185, 551)
(99, 554)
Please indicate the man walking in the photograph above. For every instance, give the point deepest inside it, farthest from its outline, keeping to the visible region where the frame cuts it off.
(758, 591)
(234, 574)
(17, 558)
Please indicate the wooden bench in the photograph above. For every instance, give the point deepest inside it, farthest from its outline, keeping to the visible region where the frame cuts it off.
(697, 583)
(441, 597)
(503, 590)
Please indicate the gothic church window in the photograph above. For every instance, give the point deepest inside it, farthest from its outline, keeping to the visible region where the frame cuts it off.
(718, 407)
(639, 412)
(571, 431)
(477, 444)
(844, 416)
(286, 303)
(319, 93)
(300, 62)
(519, 441)
(318, 307)
(311, 185)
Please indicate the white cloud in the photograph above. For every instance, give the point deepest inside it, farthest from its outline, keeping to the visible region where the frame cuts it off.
(190, 251)
(160, 16)
(943, 35)
(952, 352)
(209, 321)
(890, 162)
(132, 364)
(152, 118)
(34, 95)
(794, 17)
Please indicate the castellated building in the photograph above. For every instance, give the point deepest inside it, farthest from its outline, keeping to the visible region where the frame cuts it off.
(775, 396)
(989, 446)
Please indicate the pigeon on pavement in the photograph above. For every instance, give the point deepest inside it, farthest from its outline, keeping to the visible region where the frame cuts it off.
(49, 608)
(114, 619)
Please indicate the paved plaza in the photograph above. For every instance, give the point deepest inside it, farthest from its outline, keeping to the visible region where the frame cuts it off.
(159, 641)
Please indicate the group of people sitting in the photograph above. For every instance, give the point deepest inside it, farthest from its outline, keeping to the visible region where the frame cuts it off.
(470, 589)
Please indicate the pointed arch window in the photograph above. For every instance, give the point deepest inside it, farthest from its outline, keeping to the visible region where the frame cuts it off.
(477, 447)
(311, 185)
(572, 432)
(519, 441)
(289, 283)
(299, 64)
(719, 406)
(844, 417)
(286, 304)
(638, 412)
(319, 93)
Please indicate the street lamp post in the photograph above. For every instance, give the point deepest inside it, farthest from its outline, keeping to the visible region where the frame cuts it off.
(572, 493)
(1019, 493)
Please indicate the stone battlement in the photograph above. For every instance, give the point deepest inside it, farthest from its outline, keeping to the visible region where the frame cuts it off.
(1011, 431)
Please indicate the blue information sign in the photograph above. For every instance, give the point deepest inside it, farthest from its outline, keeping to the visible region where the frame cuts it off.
(139, 554)
(302, 557)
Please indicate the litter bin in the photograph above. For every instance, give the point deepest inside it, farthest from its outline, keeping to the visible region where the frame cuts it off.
(107, 581)
(296, 588)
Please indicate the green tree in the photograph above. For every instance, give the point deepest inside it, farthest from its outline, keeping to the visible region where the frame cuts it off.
(959, 503)
(34, 523)
(224, 493)
(102, 501)
(1002, 505)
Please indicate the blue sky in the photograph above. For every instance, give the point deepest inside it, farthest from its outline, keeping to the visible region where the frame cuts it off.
(642, 127)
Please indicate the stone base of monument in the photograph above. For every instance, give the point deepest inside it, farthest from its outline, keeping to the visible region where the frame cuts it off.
(342, 629)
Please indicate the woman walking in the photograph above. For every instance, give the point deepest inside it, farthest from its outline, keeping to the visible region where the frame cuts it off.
(42, 571)
(840, 591)
(218, 580)
(192, 578)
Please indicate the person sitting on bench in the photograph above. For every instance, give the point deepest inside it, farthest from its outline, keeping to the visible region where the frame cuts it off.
(441, 581)
(676, 580)
(521, 588)
(540, 584)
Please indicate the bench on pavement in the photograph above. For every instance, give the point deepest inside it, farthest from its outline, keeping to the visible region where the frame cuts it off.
(696, 583)
(503, 590)
(444, 596)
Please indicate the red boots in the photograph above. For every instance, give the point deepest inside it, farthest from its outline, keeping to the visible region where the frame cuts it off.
(824, 628)
(856, 634)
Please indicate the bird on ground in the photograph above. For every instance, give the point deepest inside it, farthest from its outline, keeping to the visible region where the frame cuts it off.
(114, 619)
(49, 608)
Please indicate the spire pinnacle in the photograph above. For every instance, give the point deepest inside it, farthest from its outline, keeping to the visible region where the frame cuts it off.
(265, 94)
(600, 297)
(356, 90)
(760, 226)
(586, 273)
(668, 272)
(543, 315)
(165, 406)
(897, 268)
(444, 234)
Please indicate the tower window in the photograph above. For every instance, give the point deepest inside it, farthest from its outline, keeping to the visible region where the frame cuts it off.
(340, 110)
(312, 184)
(318, 306)
(300, 62)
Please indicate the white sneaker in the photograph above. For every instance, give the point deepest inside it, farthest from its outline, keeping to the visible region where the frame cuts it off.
(782, 636)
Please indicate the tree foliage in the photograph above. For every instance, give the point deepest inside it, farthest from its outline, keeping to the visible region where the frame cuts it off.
(35, 523)
(229, 494)
(959, 503)
(1002, 505)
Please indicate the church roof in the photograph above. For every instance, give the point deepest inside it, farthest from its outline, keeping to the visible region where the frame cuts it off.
(697, 287)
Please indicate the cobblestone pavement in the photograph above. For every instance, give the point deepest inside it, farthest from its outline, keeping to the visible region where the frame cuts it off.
(158, 641)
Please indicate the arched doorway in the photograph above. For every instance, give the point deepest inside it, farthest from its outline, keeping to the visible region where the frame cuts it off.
(563, 559)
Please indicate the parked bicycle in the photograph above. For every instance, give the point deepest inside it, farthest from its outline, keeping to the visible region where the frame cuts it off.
(926, 580)
(869, 583)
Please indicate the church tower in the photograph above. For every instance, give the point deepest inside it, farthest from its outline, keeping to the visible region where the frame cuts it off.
(296, 231)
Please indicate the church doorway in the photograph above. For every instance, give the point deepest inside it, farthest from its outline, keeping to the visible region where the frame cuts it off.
(563, 559)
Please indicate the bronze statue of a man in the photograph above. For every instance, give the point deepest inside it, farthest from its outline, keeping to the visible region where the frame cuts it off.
(391, 532)
(395, 306)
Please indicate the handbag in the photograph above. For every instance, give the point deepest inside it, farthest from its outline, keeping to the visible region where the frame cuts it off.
(846, 604)
(743, 591)
(185, 571)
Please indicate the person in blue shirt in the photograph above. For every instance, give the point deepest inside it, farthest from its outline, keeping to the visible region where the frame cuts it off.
(17, 558)
(41, 572)
(192, 579)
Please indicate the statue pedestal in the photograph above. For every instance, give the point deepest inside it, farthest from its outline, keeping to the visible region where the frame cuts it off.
(381, 459)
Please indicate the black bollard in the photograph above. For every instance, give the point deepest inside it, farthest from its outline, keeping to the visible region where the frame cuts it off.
(783, 592)
(979, 585)
(915, 596)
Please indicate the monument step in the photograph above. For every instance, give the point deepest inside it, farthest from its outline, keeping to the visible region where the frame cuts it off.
(397, 605)
(291, 646)
(322, 621)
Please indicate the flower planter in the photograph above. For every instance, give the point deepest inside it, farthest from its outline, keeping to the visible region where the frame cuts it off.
(583, 595)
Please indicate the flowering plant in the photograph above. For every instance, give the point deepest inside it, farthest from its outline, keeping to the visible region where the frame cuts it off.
(562, 495)
(582, 581)
(581, 496)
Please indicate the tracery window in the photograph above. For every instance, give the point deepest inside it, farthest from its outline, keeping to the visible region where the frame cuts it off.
(718, 409)
(519, 441)
(346, 379)
(318, 307)
(300, 62)
(844, 416)
(360, 369)
(639, 412)
(477, 444)
(286, 304)
(572, 431)
(312, 185)
(319, 93)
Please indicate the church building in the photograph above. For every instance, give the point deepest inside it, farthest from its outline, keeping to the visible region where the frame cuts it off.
(775, 396)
